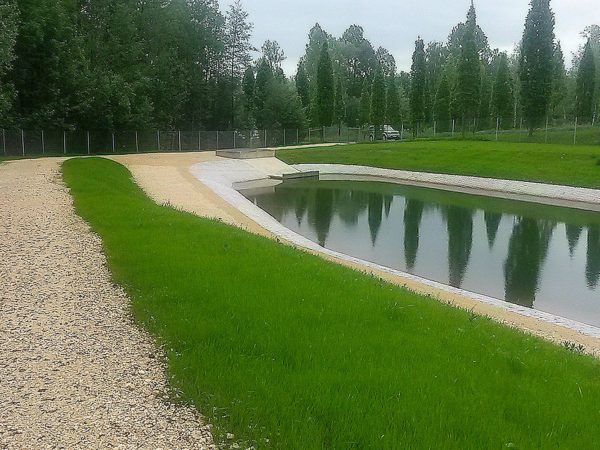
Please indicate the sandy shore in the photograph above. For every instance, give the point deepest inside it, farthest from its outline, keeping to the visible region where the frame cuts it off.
(75, 371)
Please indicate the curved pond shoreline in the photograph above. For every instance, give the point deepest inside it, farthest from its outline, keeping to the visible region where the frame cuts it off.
(224, 176)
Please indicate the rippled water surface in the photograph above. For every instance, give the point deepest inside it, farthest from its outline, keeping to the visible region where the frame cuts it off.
(539, 256)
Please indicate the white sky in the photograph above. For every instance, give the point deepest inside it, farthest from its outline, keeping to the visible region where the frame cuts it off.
(395, 24)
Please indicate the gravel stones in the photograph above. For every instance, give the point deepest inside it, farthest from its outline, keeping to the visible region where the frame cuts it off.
(75, 371)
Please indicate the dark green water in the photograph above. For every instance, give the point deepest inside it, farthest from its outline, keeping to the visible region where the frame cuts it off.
(538, 256)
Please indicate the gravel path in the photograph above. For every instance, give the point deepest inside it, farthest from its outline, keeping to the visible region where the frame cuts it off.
(75, 371)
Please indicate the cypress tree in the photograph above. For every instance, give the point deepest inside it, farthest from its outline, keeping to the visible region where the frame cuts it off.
(442, 104)
(325, 88)
(392, 111)
(536, 66)
(339, 106)
(559, 83)
(302, 85)
(586, 84)
(248, 88)
(417, 82)
(378, 101)
(502, 94)
(264, 75)
(469, 71)
(365, 103)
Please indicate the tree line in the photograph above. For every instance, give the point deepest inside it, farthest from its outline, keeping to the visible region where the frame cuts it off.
(185, 64)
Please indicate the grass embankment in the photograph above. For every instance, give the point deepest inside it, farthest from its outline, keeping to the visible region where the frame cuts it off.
(287, 350)
(548, 163)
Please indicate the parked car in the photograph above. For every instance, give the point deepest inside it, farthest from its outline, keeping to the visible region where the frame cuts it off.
(389, 134)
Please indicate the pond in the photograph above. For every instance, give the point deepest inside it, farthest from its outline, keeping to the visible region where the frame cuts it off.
(538, 256)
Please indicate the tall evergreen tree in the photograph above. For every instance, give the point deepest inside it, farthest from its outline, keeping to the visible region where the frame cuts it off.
(502, 94)
(365, 103)
(392, 110)
(339, 106)
(238, 31)
(586, 85)
(559, 83)
(442, 105)
(248, 85)
(536, 66)
(417, 82)
(261, 92)
(378, 101)
(325, 88)
(469, 71)
(302, 85)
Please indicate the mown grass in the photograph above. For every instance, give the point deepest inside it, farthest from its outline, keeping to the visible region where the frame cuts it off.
(548, 163)
(286, 350)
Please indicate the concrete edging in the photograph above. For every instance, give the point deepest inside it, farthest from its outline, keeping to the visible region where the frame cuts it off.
(221, 176)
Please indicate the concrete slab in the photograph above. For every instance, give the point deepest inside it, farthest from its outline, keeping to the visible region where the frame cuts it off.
(246, 153)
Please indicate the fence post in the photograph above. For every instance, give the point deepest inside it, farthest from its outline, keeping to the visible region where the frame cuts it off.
(497, 127)
(199, 141)
(575, 133)
(297, 136)
(65, 142)
(113, 141)
(4, 141)
(217, 140)
(158, 139)
(266, 139)
(179, 140)
(323, 135)
(234, 139)
(43, 144)
(309, 136)
(137, 143)
(453, 125)
(284, 137)
(546, 136)
(23, 141)
(88, 142)
(434, 126)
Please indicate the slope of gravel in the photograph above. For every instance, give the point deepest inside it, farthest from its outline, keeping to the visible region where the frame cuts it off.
(75, 371)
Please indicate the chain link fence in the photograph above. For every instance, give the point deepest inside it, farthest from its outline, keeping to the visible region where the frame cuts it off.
(20, 143)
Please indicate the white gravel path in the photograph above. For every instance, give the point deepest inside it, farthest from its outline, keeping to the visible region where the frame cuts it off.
(75, 371)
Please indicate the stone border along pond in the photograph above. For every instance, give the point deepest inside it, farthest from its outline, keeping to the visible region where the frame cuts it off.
(224, 177)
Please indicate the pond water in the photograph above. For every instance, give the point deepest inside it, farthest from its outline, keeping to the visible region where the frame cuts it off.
(538, 256)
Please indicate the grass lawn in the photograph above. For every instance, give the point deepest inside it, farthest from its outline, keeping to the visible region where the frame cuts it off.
(548, 163)
(286, 350)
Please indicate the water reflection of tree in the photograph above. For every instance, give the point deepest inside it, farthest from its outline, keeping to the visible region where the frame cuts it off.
(320, 212)
(300, 206)
(387, 201)
(375, 214)
(413, 213)
(573, 234)
(350, 205)
(592, 268)
(527, 251)
(460, 242)
(492, 223)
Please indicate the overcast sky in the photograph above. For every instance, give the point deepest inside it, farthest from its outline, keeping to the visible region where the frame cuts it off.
(395, 24)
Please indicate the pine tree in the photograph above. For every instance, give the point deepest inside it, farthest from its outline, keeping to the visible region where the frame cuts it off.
(378, 101)
(536, 66)
(339, 106)
(502, 94)
(586, 84)
(559, 83)
(302, 85)
(417, 82)
(469, 71)
(325, 88)
(392, 111)
(365, 103)
(442, 105)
